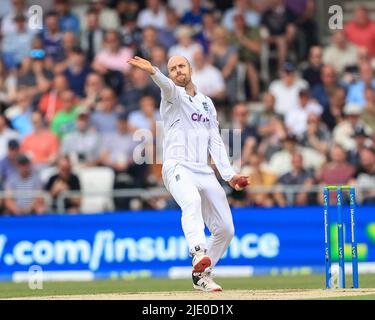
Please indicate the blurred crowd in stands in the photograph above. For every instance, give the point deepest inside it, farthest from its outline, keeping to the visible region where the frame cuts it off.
(69, 101)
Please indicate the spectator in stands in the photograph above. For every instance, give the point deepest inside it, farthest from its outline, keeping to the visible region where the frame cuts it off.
(41, 146)
(108, 17)
(280, 162)
(286, 89)
(296, 117)
(259, 177)
(317, 136)
(8, 25)
(247, 132)
(361, 30)
(70, 41)
(244, 7)
(77, 71)
(297, 176)
(138, 86)
(194, 16)
(93, 36)
(362, 140)
(279, 23)
(146, 117)
(50, 103)
(64, 180)
(159, 58)
(335, 114)
(8, 85)
(356, 91)
(153, 15)
(149, 41)
(21, 190)
(68, 21)
(224, 56)
(337, 171)
(64, 121)
(82, 145)
(166, 35)
(8, 164)
(131, 34)
(52, 36)
(324, 91)
(368, 114)
(207, 78)
(206, 34)
(94, 84)
(105, 115)
(6, 134)
(248, 43)
(19, 114)
(17, 45)
(365, 175)
(117, 152)
(343, 131)
(311, 73)
(340, 53)
(186, 45)
(179, 6)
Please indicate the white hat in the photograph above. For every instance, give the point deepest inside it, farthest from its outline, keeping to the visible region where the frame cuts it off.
(352, 109)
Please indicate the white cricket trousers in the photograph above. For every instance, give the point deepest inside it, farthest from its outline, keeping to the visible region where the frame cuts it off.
(202, 201)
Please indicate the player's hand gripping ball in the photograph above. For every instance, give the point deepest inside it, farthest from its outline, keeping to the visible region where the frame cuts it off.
(242, 182)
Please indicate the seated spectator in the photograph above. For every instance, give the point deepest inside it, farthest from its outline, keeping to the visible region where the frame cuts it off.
(343, 132)
(104, 117)
(247, 132)
(159, 59)
(146, 117)
(117, 152)
(166, 35)
(297, 176)
(8, 164)
(317, 136)
(6, 134)
(64, 121)
(296, 118)
(19, 115)
(131, 35)
(207, 78)
(149, 41)
(335, 112)
(8, 85)
(83, 144)
(138, 86)
(153, 15)
(92, 37)
(8, 24)
(361, 30)
(52, 37)
(244, 7)
(94, 84)
(17, 45)
(21, 190)
(224, 56)
(365, 175)
(205, 36)
(356, 91)
(64, 180)
(108, 17)
(286, 89)
(362, 141)
(248, 43)
(50, 103)
(69, 43)
(311, 72)
(340, 53)
(368, 114)
(68, 21)
(186, 45)
(77, 71)
(41, 146)
(280, 162)
(279, 23)
(110, 62)
(194, 16)
(337, 171)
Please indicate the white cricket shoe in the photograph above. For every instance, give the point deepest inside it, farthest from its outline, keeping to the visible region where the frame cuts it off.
(203, 281)
(200, 261)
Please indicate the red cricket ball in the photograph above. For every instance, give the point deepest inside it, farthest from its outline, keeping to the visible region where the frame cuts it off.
(242, 182)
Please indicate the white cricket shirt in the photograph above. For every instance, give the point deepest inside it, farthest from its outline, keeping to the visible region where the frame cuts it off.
(191, 129)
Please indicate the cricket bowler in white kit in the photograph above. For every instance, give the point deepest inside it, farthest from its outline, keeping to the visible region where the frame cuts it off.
(191, 134)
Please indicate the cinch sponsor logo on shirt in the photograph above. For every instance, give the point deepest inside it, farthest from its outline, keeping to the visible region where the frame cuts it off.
(199, 117)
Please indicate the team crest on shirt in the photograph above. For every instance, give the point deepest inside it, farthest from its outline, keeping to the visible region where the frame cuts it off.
(205, 106)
